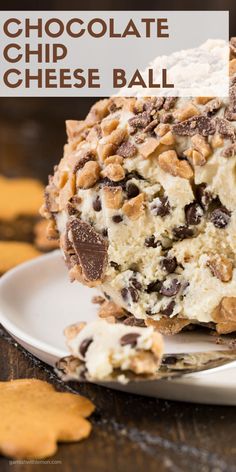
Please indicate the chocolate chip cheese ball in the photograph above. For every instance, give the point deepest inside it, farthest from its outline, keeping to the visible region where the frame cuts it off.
(144, 202)
(103, 348)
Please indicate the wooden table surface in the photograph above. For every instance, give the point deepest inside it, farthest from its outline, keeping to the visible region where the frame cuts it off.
(130, 433)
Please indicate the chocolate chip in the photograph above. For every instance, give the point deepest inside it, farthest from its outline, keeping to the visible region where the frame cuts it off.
(169, 264)
(84, 346)
(131, 292)
(114, 265)
(97, 204)
(134, 294)
(129, 339)
(105, 182)
(168, 310)
(161, 208)
(151, 242)
(193, 214)
(201, 124)
(170, 360)
(132, 190)
(117, 218)
(220, 217)
(136, 283)
(204, 197)
(182, 232)
(171, 289)
(154, 286)
(90, 248)
(105, 232)
(126, 149)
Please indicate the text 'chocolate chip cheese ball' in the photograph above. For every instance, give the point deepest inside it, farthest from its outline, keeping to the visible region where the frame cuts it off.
(144, 203)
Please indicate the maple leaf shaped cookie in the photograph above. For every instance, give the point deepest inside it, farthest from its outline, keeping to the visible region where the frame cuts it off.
(34, 416)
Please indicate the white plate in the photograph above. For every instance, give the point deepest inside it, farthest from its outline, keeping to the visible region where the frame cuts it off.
(37, 302)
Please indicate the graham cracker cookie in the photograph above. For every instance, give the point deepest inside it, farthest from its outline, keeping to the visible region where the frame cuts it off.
(34, 416)
(21, 196)
(13, 253)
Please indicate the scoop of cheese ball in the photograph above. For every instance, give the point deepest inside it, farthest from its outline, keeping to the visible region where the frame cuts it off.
(144, 202)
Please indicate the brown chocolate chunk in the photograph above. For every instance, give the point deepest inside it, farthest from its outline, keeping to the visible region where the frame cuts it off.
(200, 124)
(151, 126)
(88, 156)
(140, 121)
(166, 117)
(126, 149)
(169, 264)
(168, 310)
(193, 213)
(169, 103)
(182, 232)
(220, 217)
(132, 190)
(84, 346)
(129, 339)
(161, 208)
(225, 129)
(90, 248)
(171, 289)
(204, 197)
(132, 321)
(97, 204)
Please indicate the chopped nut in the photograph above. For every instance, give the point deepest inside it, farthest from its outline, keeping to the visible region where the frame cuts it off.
(202, 100)
(88, 175)
(187, 112)
(98, 111)
(168, 139)
(62, 179)
(114, 160)
(98, 300)
(71, 331)
(168, 326)
(148, 147)
(114, 172)
(66, 192)
(116, 137)
(134, 207)
(110, 309)
(221, 267)
(162, 129)
(232, 67)
(108, 126)
(217, 141)
(74, 128)
(113, 197)
(169, 162)
(105, 150)
(143, 362)
(198, 158)
(200, 144)
(226, 311)
(52, 232)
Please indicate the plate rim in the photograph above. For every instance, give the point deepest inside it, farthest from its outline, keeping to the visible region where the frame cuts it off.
(11, 326)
